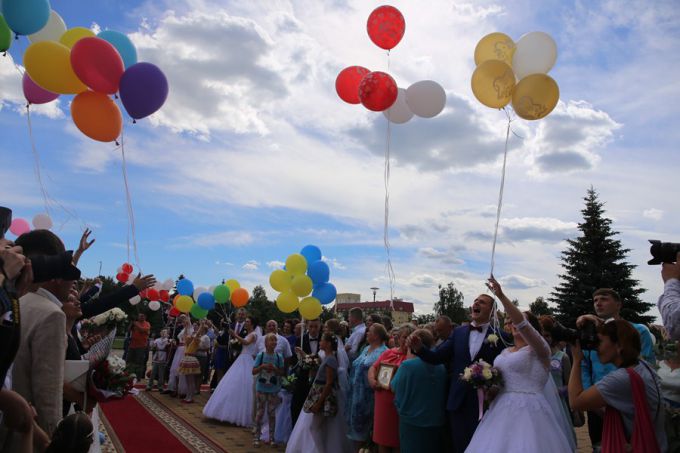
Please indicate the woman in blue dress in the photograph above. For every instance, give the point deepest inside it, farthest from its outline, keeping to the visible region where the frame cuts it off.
(359, 413)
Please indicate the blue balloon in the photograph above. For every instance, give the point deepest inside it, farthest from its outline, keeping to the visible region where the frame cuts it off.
(123, 45)
(185, 287)
(206, 301)
(325, 292)
(26, 17)
(311, 253)
(319, 272)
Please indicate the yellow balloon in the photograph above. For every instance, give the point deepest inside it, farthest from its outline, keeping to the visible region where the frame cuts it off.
(233, 285)
(184, 304)
(535, 96)
(280, 280)
(287, 302)
(302, 285)
(492, 83)
(75, 34)
(296, 264)
(495, 46)
(48, 63)
(310, 308)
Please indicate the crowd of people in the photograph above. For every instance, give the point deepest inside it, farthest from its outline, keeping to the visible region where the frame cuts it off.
(339, 386)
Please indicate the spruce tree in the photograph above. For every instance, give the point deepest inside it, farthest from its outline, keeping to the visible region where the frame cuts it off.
(596, 259)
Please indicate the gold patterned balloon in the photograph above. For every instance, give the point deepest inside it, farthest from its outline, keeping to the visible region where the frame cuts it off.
(495, 46)
(535, 96)
(492, 83)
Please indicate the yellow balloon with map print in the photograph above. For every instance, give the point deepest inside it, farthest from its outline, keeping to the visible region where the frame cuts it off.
(492, 83)
(495, 46)
(535, 96)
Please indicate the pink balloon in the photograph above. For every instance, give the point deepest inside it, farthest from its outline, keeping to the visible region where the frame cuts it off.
(35, 94)
(19, 227)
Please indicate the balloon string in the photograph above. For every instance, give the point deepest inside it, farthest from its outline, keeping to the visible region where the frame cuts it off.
(36, 161)
(500, 194)
(128, 198)
(386, 231)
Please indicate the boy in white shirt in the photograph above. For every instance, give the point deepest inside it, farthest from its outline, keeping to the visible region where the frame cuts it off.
(159, 360)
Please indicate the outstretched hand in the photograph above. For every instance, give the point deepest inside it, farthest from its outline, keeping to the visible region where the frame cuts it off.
(84, 243)
(144, 282)
(671, 270)
(494, 286)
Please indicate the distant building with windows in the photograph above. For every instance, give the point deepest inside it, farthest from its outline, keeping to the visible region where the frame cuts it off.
(399, 311)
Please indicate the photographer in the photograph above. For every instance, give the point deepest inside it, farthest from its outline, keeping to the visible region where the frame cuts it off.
(669, 302)
(634, 415)
(607, 305)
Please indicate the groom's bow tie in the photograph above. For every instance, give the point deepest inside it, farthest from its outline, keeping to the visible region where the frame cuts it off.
(477, 328)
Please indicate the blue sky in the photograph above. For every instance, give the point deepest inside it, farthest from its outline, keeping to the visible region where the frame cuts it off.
(254, 156)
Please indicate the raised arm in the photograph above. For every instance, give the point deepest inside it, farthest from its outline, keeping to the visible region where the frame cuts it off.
(530, 335)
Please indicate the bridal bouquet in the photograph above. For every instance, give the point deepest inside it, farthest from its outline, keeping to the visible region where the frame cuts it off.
(110, 379)
(113, 318)
(288, 382)
(483, 377)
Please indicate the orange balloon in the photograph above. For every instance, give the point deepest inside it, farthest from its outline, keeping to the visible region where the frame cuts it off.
(239, 298)
(174, 301)
(97, 116)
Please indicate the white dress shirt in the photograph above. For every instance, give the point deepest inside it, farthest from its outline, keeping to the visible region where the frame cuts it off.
(282, 346)
(477, 339)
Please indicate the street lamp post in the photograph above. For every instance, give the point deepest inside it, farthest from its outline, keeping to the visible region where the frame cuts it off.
(375, 290)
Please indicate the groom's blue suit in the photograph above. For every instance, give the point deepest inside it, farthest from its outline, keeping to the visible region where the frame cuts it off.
(462, 405)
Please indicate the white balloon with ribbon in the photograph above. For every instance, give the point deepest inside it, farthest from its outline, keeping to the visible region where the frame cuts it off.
(42, 222)
(52, 31)
(135, 300)
(426, 98)
(154, 305)
(536, 53)
(399, 113)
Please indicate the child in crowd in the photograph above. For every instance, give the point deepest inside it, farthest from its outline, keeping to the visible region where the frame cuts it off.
(74, 434)
(159, 347)
(269, 368)
(190, 367)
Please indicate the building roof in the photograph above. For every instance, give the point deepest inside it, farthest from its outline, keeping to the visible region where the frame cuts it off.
(399, 305)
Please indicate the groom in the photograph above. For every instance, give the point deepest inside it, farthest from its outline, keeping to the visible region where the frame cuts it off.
(465, 345)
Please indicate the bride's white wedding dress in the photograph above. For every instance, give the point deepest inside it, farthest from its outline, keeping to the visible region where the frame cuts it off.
(520, 419)
(233, 398)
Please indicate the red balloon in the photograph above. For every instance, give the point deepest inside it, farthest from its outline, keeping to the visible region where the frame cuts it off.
(378, 91)
(386, 26)
(164, 294)
(97, 64)
(127, 268)
(122, 277)
(173, 312)
(143, 294)
(347, 83)
(152, 294)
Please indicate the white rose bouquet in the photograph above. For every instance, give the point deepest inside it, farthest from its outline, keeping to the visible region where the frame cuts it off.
(111, 318)
(482, 376)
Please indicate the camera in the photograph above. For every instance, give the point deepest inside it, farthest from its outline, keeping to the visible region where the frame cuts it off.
(48, 267)
(586, 335)
(663, 252)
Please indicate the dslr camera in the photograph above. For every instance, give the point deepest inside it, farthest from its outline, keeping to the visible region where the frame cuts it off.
(663, 252)
(586, 335)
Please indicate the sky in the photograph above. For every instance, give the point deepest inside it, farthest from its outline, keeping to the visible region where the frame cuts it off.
(253, 156)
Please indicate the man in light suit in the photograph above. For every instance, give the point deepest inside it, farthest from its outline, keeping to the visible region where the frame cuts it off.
(38, 373)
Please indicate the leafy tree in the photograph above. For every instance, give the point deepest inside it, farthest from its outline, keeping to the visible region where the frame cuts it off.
(596, 259)
(450, 303)
(424, 319)
(540, 307)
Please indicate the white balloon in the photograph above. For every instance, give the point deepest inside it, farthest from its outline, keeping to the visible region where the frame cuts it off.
(426, 98)
(399, 113)
(168, 284)
(52, 31)
(154, 305)
(536, 53)
(135, 300)
(131, 278)
(42, 222)
(212, 289)
(198, 291)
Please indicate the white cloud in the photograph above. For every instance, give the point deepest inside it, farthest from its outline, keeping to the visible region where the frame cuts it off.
(520, 282)
(275, 264)
(11, 92)
(653, 213)
(227, 238)
(334, 262)
(446, 257)
(251, 265)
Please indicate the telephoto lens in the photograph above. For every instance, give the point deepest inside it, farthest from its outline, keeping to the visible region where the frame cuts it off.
(663, 252)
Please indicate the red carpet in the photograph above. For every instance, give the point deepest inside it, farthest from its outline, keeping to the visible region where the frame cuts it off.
(137, 430)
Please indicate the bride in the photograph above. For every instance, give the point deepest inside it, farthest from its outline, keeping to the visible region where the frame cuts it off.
(521, 419)
(233, 398)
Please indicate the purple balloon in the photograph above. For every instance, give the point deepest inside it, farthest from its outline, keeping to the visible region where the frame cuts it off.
(34, 93)
(143, 89)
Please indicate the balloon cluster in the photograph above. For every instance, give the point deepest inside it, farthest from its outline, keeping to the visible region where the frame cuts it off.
(159, 293)
(303, 274)
(509, 72)
(199, 301)
(76, 61)
(20, 226)
(377, 91)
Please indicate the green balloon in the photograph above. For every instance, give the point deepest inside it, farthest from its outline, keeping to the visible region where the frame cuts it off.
(5, 35)
(221, 294)
(197, 312)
